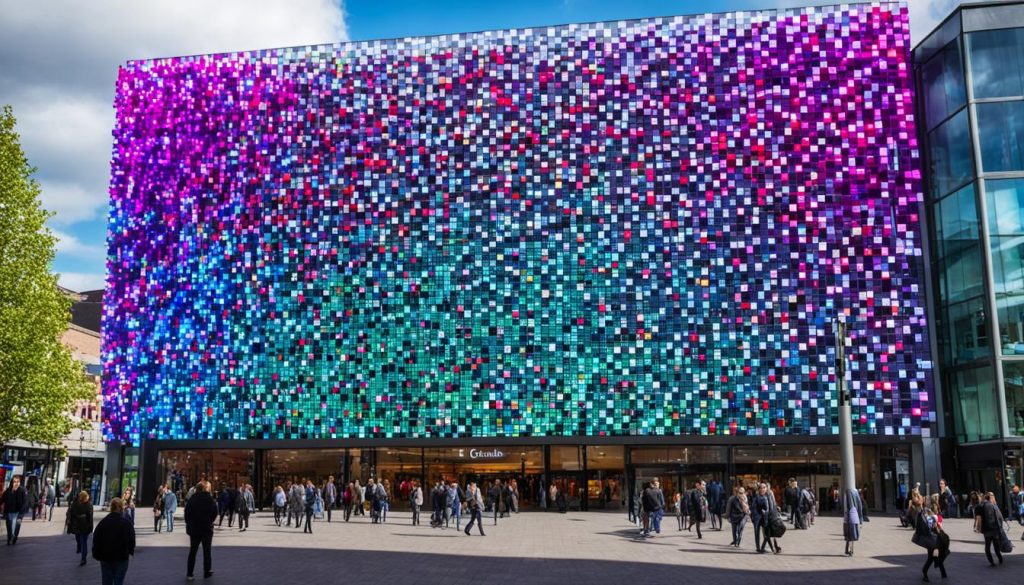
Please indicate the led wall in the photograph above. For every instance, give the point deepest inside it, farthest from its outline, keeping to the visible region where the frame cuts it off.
(644, 227)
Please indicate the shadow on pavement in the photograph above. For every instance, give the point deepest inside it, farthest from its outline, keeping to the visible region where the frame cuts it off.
(51, 559)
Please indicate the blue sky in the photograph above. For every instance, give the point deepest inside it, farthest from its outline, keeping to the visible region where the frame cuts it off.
(59, 59)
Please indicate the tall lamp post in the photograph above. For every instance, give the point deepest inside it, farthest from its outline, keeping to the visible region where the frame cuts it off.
(849, 475)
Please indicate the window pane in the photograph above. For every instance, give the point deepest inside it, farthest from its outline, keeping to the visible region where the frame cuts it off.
(961, 275)
(1013, 381)
(975, 404)
(1001, 134)
(1005, 206)
(957, 224)
(1011, 323)
(950, 155)
(963, 332)
(1008, 263)
(943, 80)
(997, 62)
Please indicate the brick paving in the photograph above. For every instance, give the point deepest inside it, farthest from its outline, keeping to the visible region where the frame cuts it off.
(531, 547)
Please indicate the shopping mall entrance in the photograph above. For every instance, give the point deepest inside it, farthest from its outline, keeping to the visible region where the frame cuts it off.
(584, 477)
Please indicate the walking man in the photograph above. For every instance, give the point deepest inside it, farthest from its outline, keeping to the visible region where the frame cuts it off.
(330, 495)
(310, 503)
(475, 502)
(698, 506)
(15, 504)
(246, 504)
(416, 499)
(113, 543)
(200, 514)
(170, 507)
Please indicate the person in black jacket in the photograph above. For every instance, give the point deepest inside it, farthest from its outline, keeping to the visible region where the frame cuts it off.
(200, 514)
(80, 523)
(15, 504)
(113, 543)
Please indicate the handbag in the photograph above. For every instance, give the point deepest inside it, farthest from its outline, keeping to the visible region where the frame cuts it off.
(776, 527)
(923, 535)
(1005, 546)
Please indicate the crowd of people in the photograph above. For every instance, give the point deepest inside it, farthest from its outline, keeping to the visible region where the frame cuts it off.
(706, 502)
(924, 514)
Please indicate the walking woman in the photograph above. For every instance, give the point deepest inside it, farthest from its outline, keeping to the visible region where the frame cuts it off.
(926, 530)
(416, 499)
(853, 511)
(128, 501)
(762, 514)
(280, 502)
(737, 510)
(348, 499)
(158, 510)
(80, 524)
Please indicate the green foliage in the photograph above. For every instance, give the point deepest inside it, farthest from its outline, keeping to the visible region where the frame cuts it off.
(39, 379)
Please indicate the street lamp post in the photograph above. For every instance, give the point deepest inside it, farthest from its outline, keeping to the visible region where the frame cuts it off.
(849, 477)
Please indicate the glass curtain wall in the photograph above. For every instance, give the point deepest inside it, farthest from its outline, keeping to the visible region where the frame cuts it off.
(995, 63)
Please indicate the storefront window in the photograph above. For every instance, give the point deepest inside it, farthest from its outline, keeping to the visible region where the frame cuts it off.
(1001, 136)
(975, 404)
(950, 155)
(1013, 381)
(182, 469)
(678, 455)
(997, 62)
(298, 464)
(605, 479)
(943, 80)
(398, 469)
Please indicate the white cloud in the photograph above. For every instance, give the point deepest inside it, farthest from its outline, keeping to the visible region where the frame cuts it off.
(81, 281)
(70, 245)
(59, 60)
(925, 15)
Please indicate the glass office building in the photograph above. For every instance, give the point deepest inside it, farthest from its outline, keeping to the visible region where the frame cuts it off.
(577, 255)
(970, 76)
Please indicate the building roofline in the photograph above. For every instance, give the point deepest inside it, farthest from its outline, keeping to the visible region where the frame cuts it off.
(959, 8)
(828, 4)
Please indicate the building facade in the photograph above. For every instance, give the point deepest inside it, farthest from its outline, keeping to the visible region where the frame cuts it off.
(971, 113)
(578, 255)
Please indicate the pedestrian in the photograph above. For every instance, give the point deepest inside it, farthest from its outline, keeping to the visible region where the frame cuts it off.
(716, 503)
(853, 509)
(226, 502)
(158, 509)
(926, 529)
(454, 505)
(474, 503)
(797, 507)
(360, 501)
(51, 499)
(677, 507)
(789, 500)
(988, 520)
(347, 500)
(330, 493)
(656, 506)
(296, 504)
(15, 506)
(170, 507)
(32, 487)
(280, 504)
(947, 500)
(310, 503)
(246, 505)
(763, 512)
(200, 514)
(128, 500)
(79, 519)
(552, 494)
(698, 506)
(1017, 505)
(385, 499)
(113, 543)
(416, 502)
(807, 504)
(737, 510)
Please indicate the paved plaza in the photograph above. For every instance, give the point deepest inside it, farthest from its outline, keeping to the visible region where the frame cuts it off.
(531, 547)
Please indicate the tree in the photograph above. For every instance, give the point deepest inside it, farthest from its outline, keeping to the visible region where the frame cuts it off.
(39, 379)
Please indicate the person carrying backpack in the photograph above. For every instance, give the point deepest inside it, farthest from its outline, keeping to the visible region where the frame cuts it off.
(989, 522)
(926, 536)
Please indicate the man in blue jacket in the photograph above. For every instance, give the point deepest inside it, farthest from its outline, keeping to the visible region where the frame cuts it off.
(170, 507)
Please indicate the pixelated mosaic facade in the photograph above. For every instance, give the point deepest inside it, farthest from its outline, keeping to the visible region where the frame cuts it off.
(625, 228)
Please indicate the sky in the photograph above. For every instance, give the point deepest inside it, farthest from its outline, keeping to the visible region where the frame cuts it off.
(59, 60)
